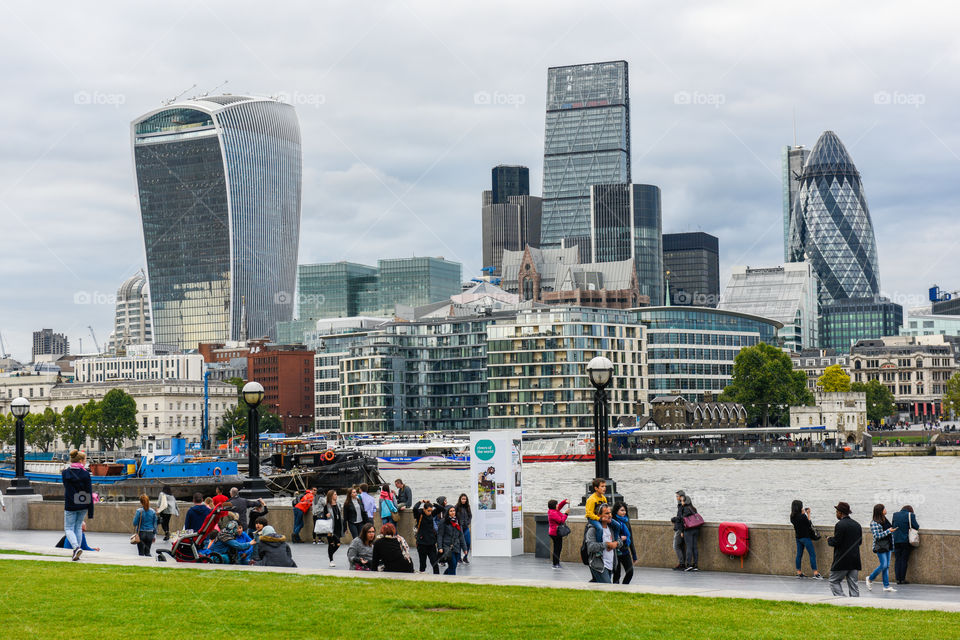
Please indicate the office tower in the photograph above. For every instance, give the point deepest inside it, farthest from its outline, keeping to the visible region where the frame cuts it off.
(625, 225)
(511, 226)
(131, 324)
(692, 263)
(792, 165)
(509, 180)
(787, 294)
(332, 290)
(218, 181)
(587, 142)
(416, 281)
(844, 322)
(830, 226)
(48, 343)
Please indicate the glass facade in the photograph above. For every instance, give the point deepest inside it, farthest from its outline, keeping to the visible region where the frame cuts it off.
(844, 322)
(509, 180)
(587, 142)
(831, 227)
(692, 264)
(791, 165)
(416, 281)
(332, 290)
(218, 181)
(931, 325)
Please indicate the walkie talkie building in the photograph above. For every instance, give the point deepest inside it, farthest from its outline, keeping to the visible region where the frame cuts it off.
(218, 182)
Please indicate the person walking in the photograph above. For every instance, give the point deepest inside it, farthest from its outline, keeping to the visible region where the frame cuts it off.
(390, 551)
(690, 533)
(300, 510)
(882, 532)
(903, 520)
(145, 525)
(465, 518)
(450, 540)
(404, 495)
(360, 551)
(557, 514)
(197, 514)
(603, 542)
(353, 512)
(426, 535)
(805, 534)
(626, 554)
(77, 500)
(678, 546)
(331, 511)
(167, 508)
(846, 540)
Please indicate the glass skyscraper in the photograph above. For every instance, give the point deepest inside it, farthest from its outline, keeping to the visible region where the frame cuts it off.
(792, 165)
(692, 261)
(831, 226)
(625, 225)
(509, 180)
(844, 322)
(587, 142)
(218, 182)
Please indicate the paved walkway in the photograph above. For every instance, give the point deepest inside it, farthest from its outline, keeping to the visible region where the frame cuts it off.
(527, 570)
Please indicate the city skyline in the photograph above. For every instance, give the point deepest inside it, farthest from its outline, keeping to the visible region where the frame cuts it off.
(392, 163)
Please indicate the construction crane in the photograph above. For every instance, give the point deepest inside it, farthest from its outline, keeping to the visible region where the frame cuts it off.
(3, 348)
(94, 336)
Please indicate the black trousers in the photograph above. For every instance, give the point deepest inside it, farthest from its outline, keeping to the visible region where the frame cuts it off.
(624, 562)
(902, 552)
(557, 548)
(354, 528)
(333, 543)
(428, 551)
(146, 541)
(165, 523)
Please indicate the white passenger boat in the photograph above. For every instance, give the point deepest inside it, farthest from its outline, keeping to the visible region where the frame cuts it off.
(449, 454)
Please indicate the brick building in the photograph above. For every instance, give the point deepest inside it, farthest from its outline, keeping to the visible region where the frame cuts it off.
(286, 373)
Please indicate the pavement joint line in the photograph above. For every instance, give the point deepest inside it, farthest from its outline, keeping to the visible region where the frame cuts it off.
(114, 559)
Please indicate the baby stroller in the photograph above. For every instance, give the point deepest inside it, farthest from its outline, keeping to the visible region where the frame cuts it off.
(186, 547)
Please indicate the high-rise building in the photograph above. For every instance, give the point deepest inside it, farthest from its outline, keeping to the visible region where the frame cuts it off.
(787, 294)
(416, 281)
(625, 225)
(218, 182)
(131, 323)
(332, 289)
(792, 165)
(507, 181)
(692, 265)
(510, 224)
(587, 142)
(844, 322)
(48, 343)
(830, 226)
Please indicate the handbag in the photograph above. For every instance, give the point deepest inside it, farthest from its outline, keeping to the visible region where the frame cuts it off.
(913, 536)
(563, 530)
(395, 516)
(323, 526)
(135, 538)
(814, 534)
(692, 521)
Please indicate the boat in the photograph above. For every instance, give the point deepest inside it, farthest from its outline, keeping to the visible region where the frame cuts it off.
(290, 472)
(438, 454)
(561, 449)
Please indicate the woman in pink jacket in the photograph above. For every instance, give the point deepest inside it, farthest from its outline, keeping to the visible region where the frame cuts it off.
(556, 516)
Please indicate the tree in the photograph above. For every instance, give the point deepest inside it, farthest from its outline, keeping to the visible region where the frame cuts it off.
(118, 419)
(234, 422)
(879, 400)
(40, 429)
(72, 429)
(6, 429)
(765, 383)
(834, 379)
(951, 397)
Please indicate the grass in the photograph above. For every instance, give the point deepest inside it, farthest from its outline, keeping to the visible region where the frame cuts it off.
(907, 439)
(15, 552)
(67, 600)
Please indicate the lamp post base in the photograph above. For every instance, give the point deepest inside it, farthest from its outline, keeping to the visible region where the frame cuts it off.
(20, 487)
(255, 488)
(611, 494)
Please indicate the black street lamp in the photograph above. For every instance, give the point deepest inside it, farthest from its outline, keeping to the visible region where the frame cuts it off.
(253, 486)
(600, 372)
(20, 486)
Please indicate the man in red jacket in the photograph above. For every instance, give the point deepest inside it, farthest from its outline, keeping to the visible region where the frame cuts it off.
(300, 510)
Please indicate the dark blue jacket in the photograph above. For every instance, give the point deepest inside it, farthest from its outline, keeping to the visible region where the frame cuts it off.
(195, 516)
(900, 522)
(77, 490)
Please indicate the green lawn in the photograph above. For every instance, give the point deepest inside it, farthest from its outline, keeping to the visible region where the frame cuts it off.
(15, 552)
(906, 439)
(84, 600)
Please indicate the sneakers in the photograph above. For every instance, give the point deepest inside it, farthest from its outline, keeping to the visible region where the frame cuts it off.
(869, 583)
(680, 567)
(696, 568)
(465, 561)
(332, 563)
(556, 566)
(817, 576)
(800, 575)
(889, 589)
(76, 554)
(691, 568)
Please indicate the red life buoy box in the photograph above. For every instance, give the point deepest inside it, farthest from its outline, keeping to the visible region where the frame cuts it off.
(734, 538)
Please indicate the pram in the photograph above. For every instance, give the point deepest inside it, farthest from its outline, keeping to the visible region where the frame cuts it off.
(187, 547)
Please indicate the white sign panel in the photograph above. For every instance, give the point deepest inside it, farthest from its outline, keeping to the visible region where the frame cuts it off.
(497, 486)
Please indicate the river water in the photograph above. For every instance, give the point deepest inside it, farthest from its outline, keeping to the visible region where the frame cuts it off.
(754, 491)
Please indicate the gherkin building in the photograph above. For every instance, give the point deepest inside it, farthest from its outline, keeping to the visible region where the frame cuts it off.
(831, 226)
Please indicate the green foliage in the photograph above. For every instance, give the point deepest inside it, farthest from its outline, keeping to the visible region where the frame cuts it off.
(72, 429)
(880, 403)
(40, 429)
(951, 397)
(6, 429)
(834, 379)
(117, 419)
(234, 422)
(765, 383)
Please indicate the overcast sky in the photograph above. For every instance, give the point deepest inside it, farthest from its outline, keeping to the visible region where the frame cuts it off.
(397, 145)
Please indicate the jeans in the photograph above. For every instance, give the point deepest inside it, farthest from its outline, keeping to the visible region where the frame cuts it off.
(333, 543)
(73, 526)
(452, 560)
(603, 577)
(297, 523)
(146, 541)
(354, 528)
(690, 537)
(837, 576)
(884, 557)
(466, 536)
(678, 547)
(903, 550)
(426, 551)
(557, 548)
(625, 562)
(806, 543)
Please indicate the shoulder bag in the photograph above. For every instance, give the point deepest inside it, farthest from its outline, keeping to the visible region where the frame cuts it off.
(563, 530)
(135, 538)
(692, 521)
(323, 526)
(913, 536)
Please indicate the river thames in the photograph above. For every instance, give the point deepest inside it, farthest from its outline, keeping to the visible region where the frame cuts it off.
(754, 491)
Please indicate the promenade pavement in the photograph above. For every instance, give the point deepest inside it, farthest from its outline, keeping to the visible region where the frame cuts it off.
(527, 570)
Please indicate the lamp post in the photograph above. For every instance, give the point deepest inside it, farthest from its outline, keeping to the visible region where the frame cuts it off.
(600, 372)
(253, 486)
(20, 486)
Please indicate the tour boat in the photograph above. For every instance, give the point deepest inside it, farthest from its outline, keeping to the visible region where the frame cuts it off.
(449, 454)
(578, 449)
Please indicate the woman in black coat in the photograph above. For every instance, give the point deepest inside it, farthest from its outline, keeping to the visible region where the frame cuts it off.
(390, 551)
(450, 540)
(353, 513)
(331, 510)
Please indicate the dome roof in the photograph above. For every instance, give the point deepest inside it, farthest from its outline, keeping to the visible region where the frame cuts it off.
(133, 287)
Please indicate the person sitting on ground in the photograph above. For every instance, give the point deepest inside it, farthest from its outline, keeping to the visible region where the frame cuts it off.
(272, 547)
(596, 498)
(196, 514)
(65, 544)
(258, 511)
(245, 557)
(226, 544)
(390, 551)
(360, 551)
